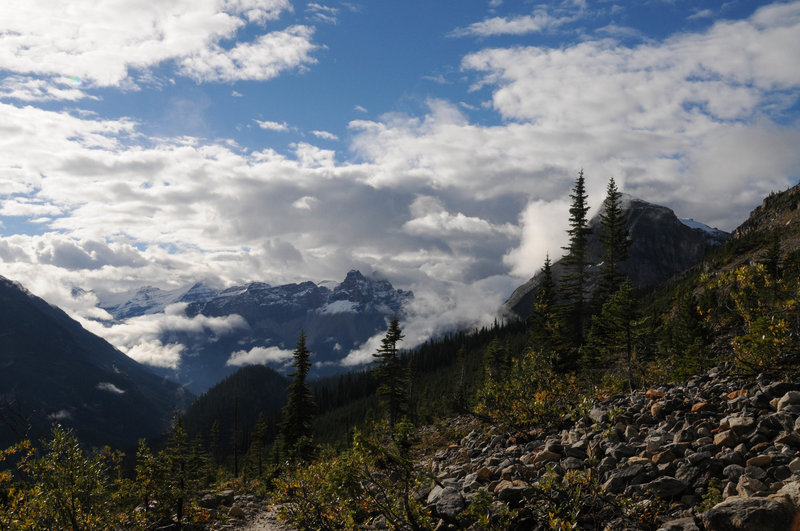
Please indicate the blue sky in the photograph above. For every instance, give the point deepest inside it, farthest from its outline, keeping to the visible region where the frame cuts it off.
(431, 141)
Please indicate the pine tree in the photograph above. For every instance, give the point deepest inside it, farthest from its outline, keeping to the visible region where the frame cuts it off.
(576, 262)
(614, 332)
(391, 374)
(257, 443)
(299, 409)
(615, 240)
(543, 322)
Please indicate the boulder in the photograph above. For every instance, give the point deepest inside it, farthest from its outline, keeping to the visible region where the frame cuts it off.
(748, 514)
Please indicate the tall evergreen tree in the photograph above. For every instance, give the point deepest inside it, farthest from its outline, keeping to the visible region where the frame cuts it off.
(391, 374)
(299, 409)
(614, 332)
(543, 322)
(615, 240)
(576, 261)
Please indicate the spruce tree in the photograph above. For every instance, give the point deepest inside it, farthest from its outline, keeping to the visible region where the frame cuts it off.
(393, 387)
(299, 409)
(615, 240)
(574, 283)
(543, 322)
(614, 332)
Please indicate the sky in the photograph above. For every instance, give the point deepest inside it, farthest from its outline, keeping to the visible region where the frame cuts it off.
(431, 142)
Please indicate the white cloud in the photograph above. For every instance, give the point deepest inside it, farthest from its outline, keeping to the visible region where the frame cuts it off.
(359, 108)
(110, 387)
(259, 356)
(270, 55)
(322, 13)
(272, 126)
(306, 202)
(431, 219)
(520, 25)
(325, 135)
(153, 352)
(99, 45)
(139, 337)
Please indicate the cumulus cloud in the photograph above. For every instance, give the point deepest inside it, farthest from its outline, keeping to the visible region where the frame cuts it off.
(266, 58)
(259, 356)
(100, 44)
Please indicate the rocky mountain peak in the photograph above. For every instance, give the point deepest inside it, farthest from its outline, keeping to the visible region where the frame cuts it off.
(662, 246)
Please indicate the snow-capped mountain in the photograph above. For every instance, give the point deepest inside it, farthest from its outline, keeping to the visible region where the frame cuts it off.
(336, 318)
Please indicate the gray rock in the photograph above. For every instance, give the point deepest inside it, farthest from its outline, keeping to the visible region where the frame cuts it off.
(680, 524)
(666, 487)
(450, 503)
(791, 398)
(733, 472)
(748, 514)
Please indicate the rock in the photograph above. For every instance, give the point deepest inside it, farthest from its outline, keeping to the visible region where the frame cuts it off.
(748, 514)
(545, 456)
(725, 438)
(701, 406)
(791, 493)
(657, 410)
(484, 473)
(733, 472)
(741, 425)
(666, 487)
(794, 466)
(236, 512)
(760, 460)
(450, 502)
(510, 492)
(790, 398)
(748, 486)
(680, 524)
(664, 457)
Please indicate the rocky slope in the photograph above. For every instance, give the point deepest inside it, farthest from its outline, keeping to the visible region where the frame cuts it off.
(668, 447)
(336, 317)
(662, 246)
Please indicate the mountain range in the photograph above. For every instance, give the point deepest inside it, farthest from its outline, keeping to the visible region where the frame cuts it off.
(53, 370)
(336, 318)
(662, 245)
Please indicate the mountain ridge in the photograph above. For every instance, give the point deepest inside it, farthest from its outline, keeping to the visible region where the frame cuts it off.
(662, 246)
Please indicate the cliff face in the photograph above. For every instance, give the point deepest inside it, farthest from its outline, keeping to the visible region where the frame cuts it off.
(662, 246)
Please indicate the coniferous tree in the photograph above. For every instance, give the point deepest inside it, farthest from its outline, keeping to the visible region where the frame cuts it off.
(614, 332)
(615, 240)
(257, 443)
(543, 322)
(299, 409)
(391, 374)
(576, 262)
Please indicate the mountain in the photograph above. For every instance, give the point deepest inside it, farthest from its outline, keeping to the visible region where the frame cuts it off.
(336, 318)
(662, 246)
(53, 370)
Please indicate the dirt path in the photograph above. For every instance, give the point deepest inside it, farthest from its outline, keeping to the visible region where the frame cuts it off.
(265, 521)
